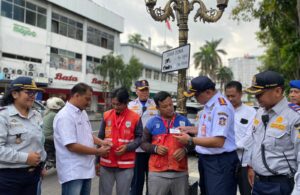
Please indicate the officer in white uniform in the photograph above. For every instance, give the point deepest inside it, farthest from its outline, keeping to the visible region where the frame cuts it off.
(215, 140)
(146, 108)
(243, 120)
(274, 157)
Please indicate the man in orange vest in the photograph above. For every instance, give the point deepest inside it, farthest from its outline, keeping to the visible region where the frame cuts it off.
(168, 168)
(123, 128)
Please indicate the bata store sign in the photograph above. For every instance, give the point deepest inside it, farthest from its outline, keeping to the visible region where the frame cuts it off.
(96, 81)
(60, 76)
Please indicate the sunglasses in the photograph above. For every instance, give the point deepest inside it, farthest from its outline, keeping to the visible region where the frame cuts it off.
(30, 93)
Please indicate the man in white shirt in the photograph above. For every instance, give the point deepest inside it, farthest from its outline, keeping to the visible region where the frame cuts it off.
(74, 143)
(243, 120)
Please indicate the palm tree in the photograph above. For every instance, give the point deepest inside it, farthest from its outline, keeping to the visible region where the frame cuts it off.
(136, 39)
(208, 58)
(224, 75)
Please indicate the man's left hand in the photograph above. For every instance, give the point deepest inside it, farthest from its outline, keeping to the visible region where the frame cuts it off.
(182, 138)
(121, 150)
(179, 154)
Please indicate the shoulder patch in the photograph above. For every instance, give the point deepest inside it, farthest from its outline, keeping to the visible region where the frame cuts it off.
(222, 101)
(295, 107)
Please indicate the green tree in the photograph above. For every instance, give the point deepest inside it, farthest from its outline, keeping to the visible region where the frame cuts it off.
(279, 32)
(224, 75)
(207, 59)
(136, 39)
(131, 72)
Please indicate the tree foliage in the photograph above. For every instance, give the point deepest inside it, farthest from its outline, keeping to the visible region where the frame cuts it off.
(136, 39)
(116, 72)
(207, 59)
(224, 75)
(279, 32)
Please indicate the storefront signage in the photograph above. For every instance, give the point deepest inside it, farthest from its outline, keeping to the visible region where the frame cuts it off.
(25, 31)
(60, 76)
(96, 81)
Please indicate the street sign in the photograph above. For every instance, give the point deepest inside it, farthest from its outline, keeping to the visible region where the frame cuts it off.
(176, 59)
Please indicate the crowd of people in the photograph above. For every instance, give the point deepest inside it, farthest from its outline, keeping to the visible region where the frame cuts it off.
(144, 141)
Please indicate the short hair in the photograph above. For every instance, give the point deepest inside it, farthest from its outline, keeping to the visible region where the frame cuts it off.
(121, 94)
(161, 96)
(81, 89)
(234, 84)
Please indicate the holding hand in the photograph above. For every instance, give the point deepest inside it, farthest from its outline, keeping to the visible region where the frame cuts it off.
(161, 150)
(179, 154)
(33, 159)
(121, 150)
(188, 129)
(103, 151)
(182, 138)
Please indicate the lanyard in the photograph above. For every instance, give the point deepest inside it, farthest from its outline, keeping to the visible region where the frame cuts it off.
(168, 124)
(118, 120)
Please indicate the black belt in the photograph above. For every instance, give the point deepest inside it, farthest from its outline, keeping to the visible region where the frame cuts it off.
(274, 178)
(25, 169)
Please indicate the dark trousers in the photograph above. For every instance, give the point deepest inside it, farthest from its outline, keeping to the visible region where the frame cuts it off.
(273, 186)
(140, 173)
(19, 181)
(219, 173)
(243, 183)
(201, 176)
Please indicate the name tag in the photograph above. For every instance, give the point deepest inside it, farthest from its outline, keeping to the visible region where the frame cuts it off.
(174, 131)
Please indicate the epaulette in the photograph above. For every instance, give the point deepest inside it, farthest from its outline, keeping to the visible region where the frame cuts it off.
(222, 101)
(2, 108)
(295, 107)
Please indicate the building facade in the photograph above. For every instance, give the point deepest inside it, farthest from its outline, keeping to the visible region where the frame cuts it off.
(244, 68)
(58, 43)
(151, 61)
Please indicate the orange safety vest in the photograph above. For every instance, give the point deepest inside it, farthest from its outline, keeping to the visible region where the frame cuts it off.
(158, 163)
(120, 130)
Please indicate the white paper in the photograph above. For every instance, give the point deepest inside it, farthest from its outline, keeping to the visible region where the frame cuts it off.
(174, 131)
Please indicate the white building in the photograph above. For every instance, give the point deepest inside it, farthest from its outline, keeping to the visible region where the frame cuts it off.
(57, 42)
(151, 61)
(244, 68)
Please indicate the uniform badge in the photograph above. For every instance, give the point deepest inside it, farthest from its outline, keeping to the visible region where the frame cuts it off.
(222, 101)
(109, 123)
(157, 125)
(18, 138)
(128, 124)
(256, 122)
(222, 121)
(279, 119)
(182, 123)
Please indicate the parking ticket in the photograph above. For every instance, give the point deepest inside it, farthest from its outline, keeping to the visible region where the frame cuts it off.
(174, 131)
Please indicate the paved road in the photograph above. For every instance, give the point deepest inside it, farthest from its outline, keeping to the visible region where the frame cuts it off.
(50, 185)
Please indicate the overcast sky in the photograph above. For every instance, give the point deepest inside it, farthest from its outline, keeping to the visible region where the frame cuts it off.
(238, 39)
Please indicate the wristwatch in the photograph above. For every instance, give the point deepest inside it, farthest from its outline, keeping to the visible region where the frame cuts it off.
(190, 141)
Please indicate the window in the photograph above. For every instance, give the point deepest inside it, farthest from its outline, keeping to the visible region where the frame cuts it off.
(18, 57)
(63, 59)
(170, 78)
(156, 75)
(65, 26)
(163, 76)
(148, 74)
(99, 38)
(25, 12)
(91, 64)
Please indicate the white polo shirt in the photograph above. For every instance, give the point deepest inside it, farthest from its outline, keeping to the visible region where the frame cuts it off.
(71, 125)
(243, 121)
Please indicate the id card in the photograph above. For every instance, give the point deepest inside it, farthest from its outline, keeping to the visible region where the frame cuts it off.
(174, 131)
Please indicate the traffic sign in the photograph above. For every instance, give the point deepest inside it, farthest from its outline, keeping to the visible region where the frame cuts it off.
(176, 59)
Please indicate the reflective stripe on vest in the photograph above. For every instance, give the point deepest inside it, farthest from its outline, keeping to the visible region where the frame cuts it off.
(125, 140)
(105, 160)
(125, 162)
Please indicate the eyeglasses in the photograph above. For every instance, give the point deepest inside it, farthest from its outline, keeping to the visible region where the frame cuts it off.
(30, 93)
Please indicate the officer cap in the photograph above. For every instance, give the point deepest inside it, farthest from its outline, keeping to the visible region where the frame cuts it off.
(199, 84)
(24, 83)
(142, 84)
(265, 80)
(295, 84)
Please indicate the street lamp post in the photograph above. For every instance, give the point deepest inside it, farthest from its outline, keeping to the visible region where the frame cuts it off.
(182, 9)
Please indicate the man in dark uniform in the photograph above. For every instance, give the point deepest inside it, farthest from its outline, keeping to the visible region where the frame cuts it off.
(275, 137)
